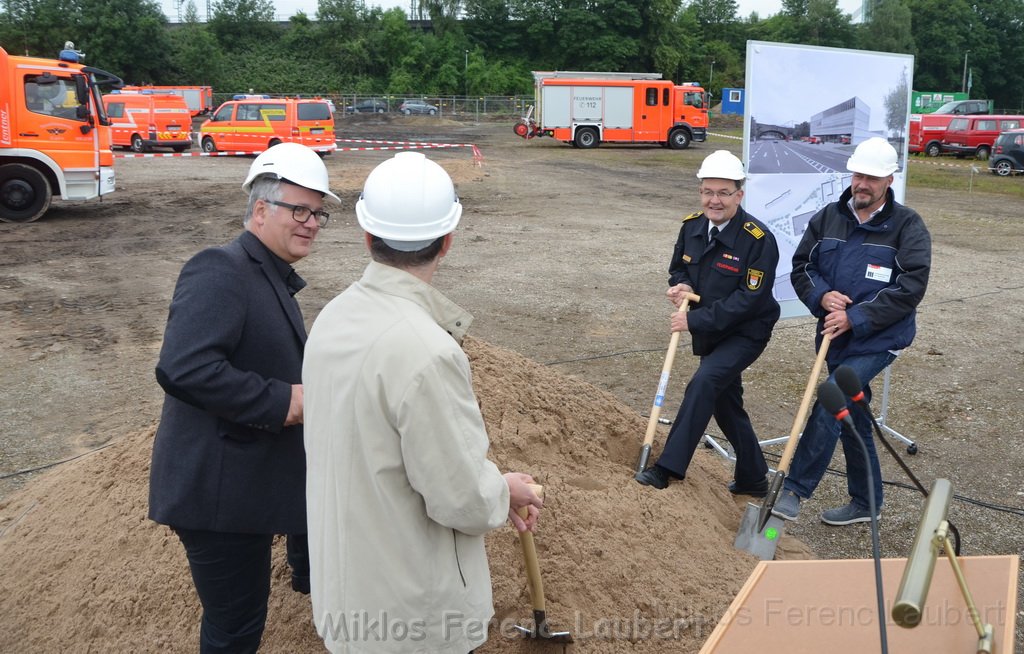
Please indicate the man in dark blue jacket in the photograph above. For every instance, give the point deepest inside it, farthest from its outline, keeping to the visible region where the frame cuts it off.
(861, 268)
(229, 468)
(728, 258)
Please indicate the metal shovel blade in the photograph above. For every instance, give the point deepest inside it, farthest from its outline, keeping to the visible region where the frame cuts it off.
(759, 542)
(770, 498)
(542, 631)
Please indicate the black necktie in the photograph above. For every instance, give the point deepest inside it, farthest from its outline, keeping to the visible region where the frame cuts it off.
(712, 234)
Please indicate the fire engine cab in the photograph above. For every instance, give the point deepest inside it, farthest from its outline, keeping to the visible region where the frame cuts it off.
(586, 108)
(54, 134)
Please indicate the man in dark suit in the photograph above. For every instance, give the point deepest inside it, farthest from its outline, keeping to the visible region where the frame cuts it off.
(228, 469)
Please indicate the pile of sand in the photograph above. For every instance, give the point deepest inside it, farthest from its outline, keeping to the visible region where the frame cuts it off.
(626, 568)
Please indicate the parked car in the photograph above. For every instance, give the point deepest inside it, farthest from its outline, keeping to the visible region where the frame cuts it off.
(1007, 154)
(974, 135)
(417, 107)
(965, 107)
(253, 125)
(369, 106)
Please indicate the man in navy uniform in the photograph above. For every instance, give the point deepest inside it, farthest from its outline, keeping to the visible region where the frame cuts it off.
(728, 258)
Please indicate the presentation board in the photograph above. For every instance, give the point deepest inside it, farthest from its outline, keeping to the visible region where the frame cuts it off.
(807, 108)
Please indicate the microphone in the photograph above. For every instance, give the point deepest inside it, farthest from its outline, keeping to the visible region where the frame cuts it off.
(834, 402)
(847, 380)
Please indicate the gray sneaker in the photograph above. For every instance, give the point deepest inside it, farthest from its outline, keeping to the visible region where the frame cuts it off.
(787, 505)
(846, 515)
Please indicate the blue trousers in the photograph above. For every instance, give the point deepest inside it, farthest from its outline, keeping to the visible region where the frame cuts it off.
(231, 573)
(818, 442)
(716, 390)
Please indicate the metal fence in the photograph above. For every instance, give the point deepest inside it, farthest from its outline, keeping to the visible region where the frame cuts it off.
(447, 105)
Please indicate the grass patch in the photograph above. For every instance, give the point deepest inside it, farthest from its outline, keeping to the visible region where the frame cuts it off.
(953, 175)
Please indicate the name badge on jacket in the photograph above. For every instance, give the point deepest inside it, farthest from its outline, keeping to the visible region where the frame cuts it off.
(878, 273)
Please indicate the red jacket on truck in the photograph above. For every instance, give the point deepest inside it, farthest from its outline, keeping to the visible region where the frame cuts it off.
(585, 109)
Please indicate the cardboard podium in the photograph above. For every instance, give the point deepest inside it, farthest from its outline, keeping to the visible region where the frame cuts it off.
(816, 607)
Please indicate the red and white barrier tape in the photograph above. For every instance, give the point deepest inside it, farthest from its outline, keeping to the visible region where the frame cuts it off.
(478, 157)
(962, 166)
(151, 155)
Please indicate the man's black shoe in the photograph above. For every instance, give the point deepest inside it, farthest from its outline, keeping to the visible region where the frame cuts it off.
(655, 477)
(757, 489)
(300, 584)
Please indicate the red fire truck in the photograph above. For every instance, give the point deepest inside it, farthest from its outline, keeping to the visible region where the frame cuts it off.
(587, 108)
(54, 134)
(198, 98)
(926, 132)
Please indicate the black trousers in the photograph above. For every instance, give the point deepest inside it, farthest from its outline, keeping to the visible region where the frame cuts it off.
(231, 573)
(716, 390)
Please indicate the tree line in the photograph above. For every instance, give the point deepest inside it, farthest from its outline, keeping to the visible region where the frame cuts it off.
(489, 47)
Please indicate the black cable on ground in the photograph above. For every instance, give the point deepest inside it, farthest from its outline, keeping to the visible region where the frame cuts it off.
(55, 463)
(776, 328)
(1002, 508)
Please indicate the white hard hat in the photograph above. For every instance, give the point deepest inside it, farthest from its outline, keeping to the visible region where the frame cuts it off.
(409, 201)
(875, 157)
(721, 164)
(293, 163)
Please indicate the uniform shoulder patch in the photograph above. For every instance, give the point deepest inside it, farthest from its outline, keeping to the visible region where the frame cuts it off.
(754, 230)
(754, 278)
(695, 214)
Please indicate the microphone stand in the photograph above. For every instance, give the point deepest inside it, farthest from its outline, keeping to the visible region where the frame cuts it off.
(880, 437)
(833, 401)
(876, 548)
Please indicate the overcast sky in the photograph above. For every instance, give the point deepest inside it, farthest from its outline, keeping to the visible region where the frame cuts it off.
(287, 8)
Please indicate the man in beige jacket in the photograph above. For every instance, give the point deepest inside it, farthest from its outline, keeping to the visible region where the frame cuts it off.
(399, 488)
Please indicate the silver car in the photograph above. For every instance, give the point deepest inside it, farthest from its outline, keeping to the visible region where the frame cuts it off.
(417, 107)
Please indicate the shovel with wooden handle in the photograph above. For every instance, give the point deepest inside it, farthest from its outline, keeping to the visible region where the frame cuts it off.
(540, 630)
(659, 397)
(760, 531)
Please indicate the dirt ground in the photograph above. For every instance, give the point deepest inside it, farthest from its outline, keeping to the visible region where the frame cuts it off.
(561, 256)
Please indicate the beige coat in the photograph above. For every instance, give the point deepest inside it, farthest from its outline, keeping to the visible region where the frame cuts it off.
(399, 489)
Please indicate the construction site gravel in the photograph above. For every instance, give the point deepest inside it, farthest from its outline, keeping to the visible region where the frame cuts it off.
(561, 256)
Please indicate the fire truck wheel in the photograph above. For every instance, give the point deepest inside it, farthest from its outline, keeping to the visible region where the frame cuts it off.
(679, 139)
(586, 137)
(273, 142)
(24, 193)
(209, 145)
(138, 145)
(933, 149)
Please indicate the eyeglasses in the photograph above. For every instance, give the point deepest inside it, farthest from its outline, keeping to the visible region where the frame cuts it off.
(301, 214)
(721, 195)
